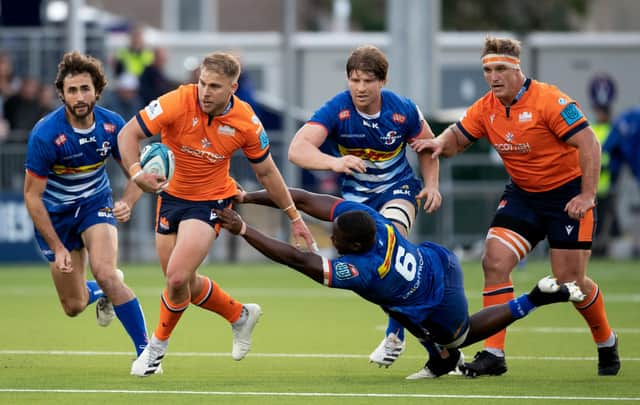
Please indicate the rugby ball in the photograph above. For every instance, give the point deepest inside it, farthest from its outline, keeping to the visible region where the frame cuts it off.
(157, 158)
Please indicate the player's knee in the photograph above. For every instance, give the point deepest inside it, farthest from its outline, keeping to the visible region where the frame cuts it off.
(496, 266)
(176, 280)
(73, 307)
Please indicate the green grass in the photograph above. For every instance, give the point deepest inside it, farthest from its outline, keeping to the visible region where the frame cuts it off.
(311, 340)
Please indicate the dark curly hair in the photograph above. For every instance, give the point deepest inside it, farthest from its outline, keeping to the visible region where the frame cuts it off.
(74, 63)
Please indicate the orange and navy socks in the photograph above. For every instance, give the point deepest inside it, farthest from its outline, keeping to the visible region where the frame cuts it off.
(593, 311)
(494, 295)
(215, 299)
(170, 314)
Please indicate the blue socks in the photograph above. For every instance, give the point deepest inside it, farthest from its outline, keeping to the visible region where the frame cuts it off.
(395, 327)
(95, 292)
(132, 318)
(521, 306)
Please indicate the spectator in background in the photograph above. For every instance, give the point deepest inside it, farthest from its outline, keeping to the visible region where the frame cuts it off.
(125, 100)
(623, 144)
(22, 110)
(154, 82)
(134, 58)
(602, 92)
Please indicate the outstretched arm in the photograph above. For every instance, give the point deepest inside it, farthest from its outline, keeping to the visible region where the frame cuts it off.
(307, 263)
(317, 205)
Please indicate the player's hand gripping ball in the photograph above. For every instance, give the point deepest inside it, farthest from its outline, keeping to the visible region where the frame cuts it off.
(158, 159)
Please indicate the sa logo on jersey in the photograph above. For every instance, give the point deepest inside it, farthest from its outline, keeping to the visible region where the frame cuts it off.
(345, 271)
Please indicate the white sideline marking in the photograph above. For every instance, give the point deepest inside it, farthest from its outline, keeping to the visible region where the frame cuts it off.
(275, 355)
(316, 394)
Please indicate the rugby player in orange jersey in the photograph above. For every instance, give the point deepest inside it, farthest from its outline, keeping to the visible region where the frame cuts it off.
(553, 158)
(203, 124)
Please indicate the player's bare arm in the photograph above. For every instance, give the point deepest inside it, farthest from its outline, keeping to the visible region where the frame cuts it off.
(269, 176)
(305, 152)
(307, 263)
(129, 144)
(33, 189)
(589, 159)
(430, 170)
(449, 143)
(317, 205)
(122, 208)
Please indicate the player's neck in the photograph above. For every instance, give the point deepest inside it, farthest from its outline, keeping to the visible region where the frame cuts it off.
(509, 99)
(79, 122)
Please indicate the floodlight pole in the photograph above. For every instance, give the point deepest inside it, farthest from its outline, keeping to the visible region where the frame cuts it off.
(76, 36)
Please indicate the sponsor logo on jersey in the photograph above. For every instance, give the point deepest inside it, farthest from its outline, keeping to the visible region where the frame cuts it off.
(502, 204)
(108, 127)
(525, 116)
(398, 118)
(82, 141)
(492, 117)
(153, 110)
(205, 143)
(256, 120)
(345, 271)
(194, 122)
(104, 149)
(60, 140)
(208, 156)
(226, 130)
(344, 115)
(212, 215)
(368, 124)
(352, 135)
(571, 114)
(512, 147)
(568, 228)
(404, 190)
(562, 101)
(509, 137)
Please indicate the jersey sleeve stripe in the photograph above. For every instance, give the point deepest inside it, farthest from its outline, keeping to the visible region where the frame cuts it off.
(147, 133)
(34, 174)
(574, 131)
(465, 132)
(261, 158)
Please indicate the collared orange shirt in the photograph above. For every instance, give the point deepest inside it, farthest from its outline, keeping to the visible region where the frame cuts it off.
(203, 145)
(530, 135)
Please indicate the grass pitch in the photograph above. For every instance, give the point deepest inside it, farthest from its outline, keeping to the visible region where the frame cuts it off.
(311, 346)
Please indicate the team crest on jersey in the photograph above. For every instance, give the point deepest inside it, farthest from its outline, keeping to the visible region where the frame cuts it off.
(398, 118)
(109, 128)
(163, 223)
(344, 115)
(154, 109)
(104, 149)
(571, 114)
(525, 116)
(390, 137)
(60, 140)
(226, 130)
(345, 271)
(502, 204)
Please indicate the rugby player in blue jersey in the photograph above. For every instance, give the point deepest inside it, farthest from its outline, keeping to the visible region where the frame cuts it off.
(68, 196)
(420, 286)
(367, 128)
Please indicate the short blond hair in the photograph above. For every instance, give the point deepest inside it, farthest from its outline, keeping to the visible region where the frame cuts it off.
(503, 46)
(222, 63)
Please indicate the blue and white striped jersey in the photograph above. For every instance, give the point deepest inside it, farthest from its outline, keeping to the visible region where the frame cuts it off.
(379, 140)
(73, 160)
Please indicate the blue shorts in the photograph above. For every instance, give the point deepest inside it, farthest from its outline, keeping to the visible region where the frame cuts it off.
(69, 224)
(539, 215)
(172, 210)
(448, 320)
(404, 190)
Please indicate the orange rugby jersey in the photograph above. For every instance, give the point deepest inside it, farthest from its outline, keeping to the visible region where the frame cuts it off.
(530, 135)
(203, 146)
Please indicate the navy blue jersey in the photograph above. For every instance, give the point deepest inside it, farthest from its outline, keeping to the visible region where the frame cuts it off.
(623, 143)
(395, 274)
(73, 160)
(379, 140)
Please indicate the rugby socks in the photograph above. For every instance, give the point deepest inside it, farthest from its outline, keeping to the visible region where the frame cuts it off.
(521, 306)
(592, 310)
(215, 299)
(132, 318)
(170, 314)
(94, 290)
(395, 327)
(495, 295)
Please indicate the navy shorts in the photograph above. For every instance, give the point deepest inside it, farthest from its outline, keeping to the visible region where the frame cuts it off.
(404, 190)
(69, 224)
(539, 215)
(172, 210)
